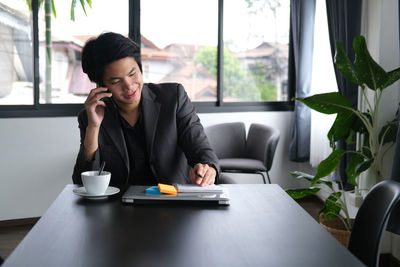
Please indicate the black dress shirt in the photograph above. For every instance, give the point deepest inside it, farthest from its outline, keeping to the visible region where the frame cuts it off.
(140, 173)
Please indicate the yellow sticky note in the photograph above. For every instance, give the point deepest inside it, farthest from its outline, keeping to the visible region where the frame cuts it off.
(167, 189)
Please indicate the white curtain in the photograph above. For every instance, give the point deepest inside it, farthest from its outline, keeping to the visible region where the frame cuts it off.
(323, 81)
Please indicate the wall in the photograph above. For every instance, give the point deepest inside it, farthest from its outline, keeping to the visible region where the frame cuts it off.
(37, 156)
(380, 26)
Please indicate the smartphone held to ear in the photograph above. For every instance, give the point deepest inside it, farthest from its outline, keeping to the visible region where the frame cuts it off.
(109, 100)
(103, 98)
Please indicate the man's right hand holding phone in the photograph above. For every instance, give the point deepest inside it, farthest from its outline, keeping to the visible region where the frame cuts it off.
(95, 112)
(95, 106)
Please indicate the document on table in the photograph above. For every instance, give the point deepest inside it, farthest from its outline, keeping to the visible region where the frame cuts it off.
(190, 188)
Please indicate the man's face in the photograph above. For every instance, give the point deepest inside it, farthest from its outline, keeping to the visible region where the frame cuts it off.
(125, 81)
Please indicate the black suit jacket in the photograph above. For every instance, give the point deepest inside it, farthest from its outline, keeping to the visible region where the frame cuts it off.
(175, 138)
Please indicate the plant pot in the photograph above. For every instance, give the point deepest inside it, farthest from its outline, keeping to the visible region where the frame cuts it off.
(366, 181)
(336, 228)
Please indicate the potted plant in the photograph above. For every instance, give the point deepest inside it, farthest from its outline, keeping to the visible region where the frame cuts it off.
(334, 215)
(373, 142)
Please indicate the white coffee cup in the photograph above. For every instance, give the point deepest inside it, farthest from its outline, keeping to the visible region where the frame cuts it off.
(94, 183)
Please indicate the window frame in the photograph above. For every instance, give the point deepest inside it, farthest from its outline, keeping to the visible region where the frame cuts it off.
(68, 110)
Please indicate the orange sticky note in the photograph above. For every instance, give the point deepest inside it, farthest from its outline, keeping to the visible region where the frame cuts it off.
(167, 189)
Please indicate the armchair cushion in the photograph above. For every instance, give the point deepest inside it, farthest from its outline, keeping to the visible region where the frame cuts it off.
(241, 164)
(225, 179)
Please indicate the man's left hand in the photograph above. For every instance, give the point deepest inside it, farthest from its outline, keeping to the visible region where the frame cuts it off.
(202, 174)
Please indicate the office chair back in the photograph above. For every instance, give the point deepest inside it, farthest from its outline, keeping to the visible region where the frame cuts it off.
(260, 137)
(371, 221)
(227, 139)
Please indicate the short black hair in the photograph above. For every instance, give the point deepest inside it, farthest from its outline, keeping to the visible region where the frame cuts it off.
(105, 49)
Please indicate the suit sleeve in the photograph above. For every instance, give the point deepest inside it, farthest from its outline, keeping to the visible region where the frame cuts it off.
(191, 136)
(82, 164)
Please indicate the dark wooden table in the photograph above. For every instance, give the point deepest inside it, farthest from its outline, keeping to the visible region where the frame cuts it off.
(262, 226)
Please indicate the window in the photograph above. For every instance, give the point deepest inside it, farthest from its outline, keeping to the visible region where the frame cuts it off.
(256, 50)
(62, 79)
(181, 45)
(16, 68)
(229, 55)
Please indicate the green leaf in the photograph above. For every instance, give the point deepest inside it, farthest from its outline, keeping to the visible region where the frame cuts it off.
(332, 208)
(53, 7)
(351, 169)
(309, 177)
(327, 183)
(345, 66)
(366, 152)
(350, 139)
(83, 6)
(302, 175)
(72, 10)
(364, 166)
(328, 165)
(327, 103)
(40, 3)
(29, 3)
(301, 193)
(358, 125)
(389, 132)
(391, 77)
(369, 72)
(342, 126)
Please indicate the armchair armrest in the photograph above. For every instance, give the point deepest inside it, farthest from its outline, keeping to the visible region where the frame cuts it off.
(261, 144)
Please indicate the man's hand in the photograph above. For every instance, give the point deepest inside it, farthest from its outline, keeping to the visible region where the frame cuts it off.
(95, 112)
(95, 107)
(202, 174)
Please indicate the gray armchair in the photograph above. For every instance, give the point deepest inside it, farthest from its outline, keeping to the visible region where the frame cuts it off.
(237, 153)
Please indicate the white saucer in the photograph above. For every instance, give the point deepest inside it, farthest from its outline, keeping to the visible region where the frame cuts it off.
(81, 191)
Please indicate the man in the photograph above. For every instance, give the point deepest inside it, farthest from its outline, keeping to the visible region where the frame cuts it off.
(146, 133)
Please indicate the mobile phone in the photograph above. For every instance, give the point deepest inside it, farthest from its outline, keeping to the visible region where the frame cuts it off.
(108, 100)
(103, 98)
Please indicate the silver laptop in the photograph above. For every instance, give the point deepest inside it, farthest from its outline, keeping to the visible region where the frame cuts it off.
(136, 194)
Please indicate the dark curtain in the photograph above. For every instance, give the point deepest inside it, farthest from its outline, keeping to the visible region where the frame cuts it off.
(395, 175)
(344, 23)
(394, 220)
(301, 49)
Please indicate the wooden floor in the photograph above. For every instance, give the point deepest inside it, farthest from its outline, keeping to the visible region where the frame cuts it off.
(12, 232)
(311, 204)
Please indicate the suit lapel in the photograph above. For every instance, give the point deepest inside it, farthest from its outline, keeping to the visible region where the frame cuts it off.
(112, 126)
(151, 112)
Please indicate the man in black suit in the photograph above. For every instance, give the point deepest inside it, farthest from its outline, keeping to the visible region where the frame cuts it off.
(146, 133)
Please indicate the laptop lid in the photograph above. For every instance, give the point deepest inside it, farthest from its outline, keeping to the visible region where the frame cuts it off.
(136, 194)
